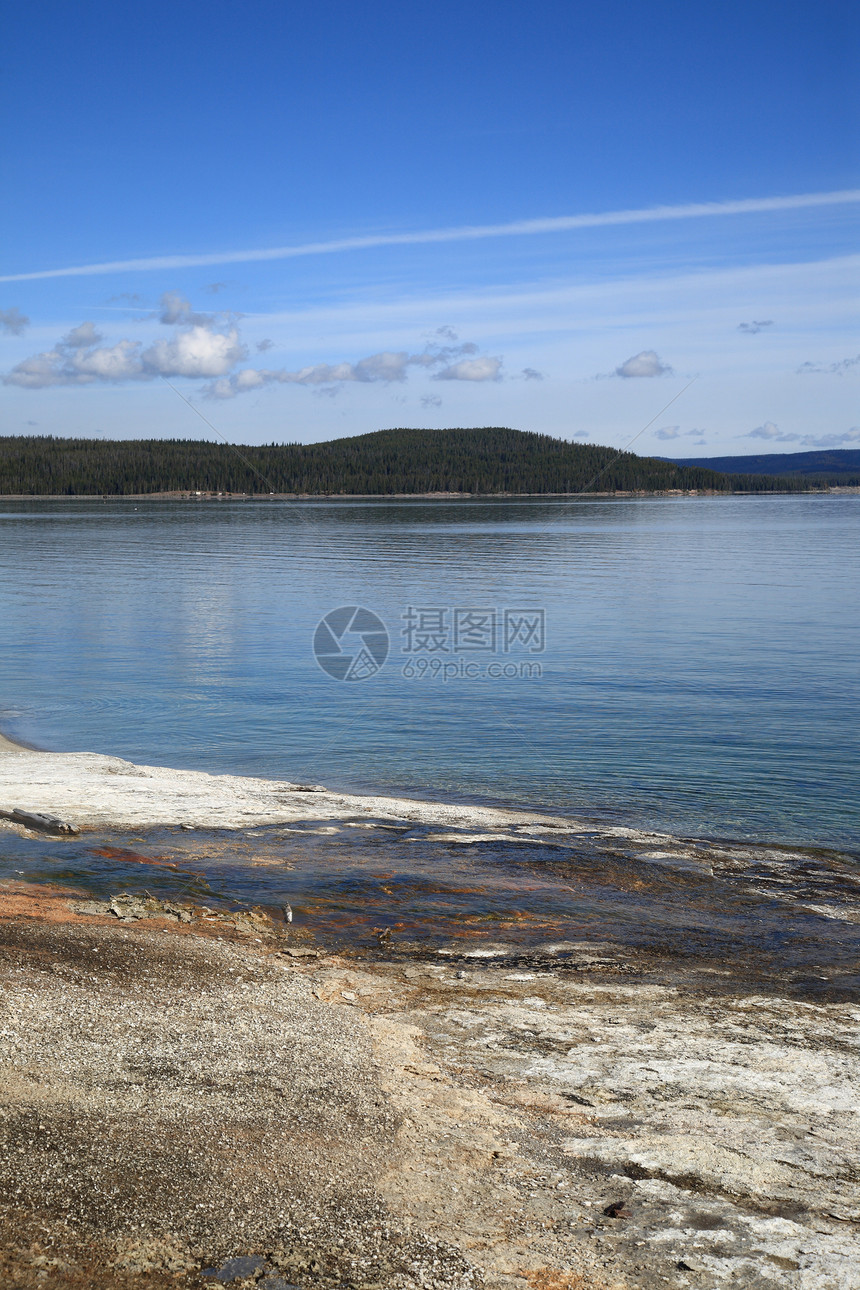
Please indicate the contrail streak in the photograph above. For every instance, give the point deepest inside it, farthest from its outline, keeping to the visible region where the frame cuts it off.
(466, 233)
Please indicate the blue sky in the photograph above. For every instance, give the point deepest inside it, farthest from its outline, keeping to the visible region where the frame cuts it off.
(258, 206)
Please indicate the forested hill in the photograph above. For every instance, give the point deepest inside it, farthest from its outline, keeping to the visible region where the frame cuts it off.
(490, 460)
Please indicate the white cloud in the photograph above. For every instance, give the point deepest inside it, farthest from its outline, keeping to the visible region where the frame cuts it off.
(120, 362)
(197, 351)
(472, 369)
(431, 401)
(754, 327)
(76, 365)
(771, 432)
(645, 363)
(580, 434)
(80, 337)
(175, 309)
(386, 367)
(531, 374)
(568, 328)
(675, 432)
(832, 440)
(433, 355)
(39, 371)
(13, 321)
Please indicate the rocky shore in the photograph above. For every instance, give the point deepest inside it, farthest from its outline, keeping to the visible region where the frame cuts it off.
(192, 1098)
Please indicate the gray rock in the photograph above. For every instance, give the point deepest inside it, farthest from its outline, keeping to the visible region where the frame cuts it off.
(42, 822)
(243, 1265)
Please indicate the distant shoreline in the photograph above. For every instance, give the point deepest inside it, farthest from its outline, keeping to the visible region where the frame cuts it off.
(185, 496)
(456, 462)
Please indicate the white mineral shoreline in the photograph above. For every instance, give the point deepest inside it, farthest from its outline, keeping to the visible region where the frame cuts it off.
(90, 790)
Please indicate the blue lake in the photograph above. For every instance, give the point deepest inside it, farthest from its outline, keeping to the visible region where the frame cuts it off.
(685, 663)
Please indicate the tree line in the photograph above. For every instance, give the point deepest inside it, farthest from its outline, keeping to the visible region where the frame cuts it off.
(486, 460)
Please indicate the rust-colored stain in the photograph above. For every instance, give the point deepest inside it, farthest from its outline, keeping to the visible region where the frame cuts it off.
(46, 902)
(131, 857)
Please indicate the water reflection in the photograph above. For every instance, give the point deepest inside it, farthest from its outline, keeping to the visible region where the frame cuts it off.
(699, 672)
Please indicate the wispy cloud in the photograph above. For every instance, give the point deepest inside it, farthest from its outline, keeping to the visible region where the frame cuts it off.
(13, 321)
(832, 440)
(472, 369)
(469, 232)
(772, 433)
(830, 369)
(174, 308)
(754, 327)
(387, 367)
(675, 432)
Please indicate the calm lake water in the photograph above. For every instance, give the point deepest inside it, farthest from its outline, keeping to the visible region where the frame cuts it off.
(686, 663)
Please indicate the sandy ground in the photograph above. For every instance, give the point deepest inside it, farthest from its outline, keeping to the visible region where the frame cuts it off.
(179, 1091)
